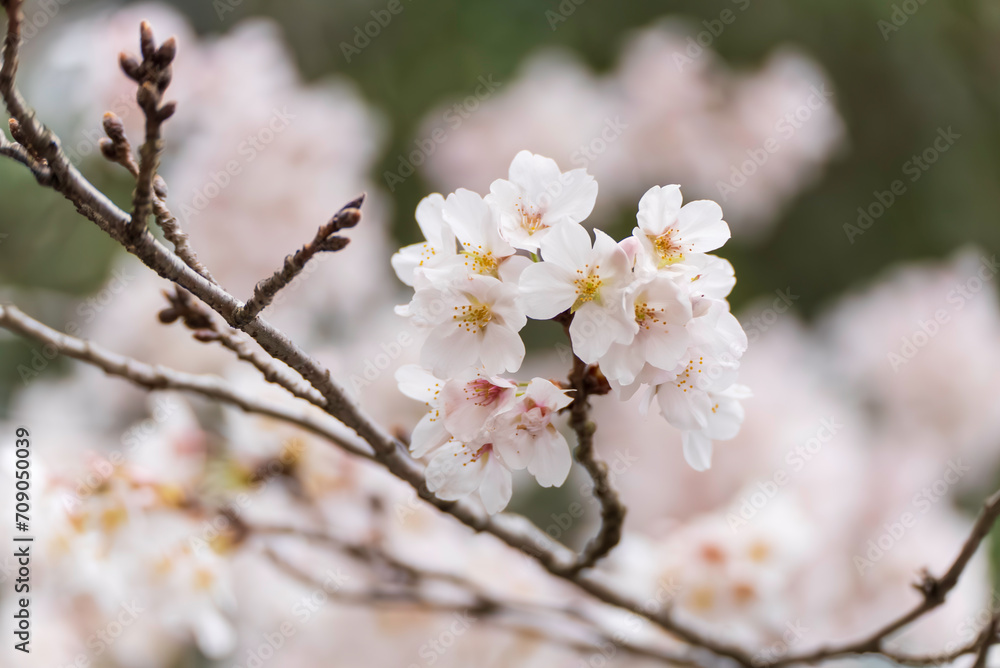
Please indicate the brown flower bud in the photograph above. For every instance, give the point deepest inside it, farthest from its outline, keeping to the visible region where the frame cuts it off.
(129, 65)
(166, 53)
(114, 128)
(146, 40)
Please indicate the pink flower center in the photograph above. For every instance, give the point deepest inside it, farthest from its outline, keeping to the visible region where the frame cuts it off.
(484, 392)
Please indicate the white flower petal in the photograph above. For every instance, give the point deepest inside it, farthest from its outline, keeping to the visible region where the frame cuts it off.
(501, 349)
(569, 247)
(546, 290)
(496, 487)
(658, 209)
(428, 435)
(686, 408)
(595, 327)
(700, 226)
(552, 461)
(418, 383)
(697, 450)
(573, 200)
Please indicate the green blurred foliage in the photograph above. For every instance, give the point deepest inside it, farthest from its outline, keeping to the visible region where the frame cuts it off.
(895, 89)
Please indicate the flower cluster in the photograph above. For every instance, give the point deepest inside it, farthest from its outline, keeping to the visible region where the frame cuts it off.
(649, 311)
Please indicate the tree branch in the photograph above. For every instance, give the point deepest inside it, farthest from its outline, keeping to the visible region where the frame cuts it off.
(116, 148)
(17, 152)
(324, 241)
(494, 611)
(159, 378)
(585, 381)
(934, 590)
(207, 329)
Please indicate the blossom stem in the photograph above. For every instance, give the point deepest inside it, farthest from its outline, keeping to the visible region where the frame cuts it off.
(586, 380)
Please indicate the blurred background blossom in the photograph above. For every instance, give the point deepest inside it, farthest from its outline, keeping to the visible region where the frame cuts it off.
(874, 359)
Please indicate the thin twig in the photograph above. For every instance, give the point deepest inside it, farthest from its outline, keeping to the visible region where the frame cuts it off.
(153, 75)
(208, 329)
(934, 591)
(159, 378)
(117, 148)
(986, 640)
(493, 611)
(324, 241)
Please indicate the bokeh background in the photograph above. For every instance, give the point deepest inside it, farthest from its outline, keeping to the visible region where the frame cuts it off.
(639, 93)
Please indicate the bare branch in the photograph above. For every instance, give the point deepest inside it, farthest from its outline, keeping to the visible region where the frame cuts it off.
(934, 590)
(159, 378)
(986, 640)
(17, 152)
(208, 329)
(493, 610)
(325, 240)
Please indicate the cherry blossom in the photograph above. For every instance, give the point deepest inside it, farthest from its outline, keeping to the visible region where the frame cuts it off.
(419, 384)
(472, 320)
(589, 281)
(527, 438)
(438, 246)
(459, 469)
(670, 232)
(484, 250)
(490, 426)
(649, 312)
(662, 312)
(722, 423)
(537, 197)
